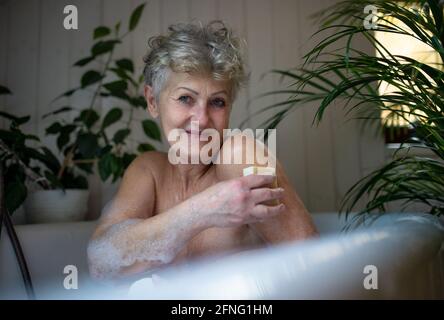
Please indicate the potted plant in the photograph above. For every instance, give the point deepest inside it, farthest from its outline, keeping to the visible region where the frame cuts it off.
(87, 142)
(21, 161)
(418, 89)
(30, 169)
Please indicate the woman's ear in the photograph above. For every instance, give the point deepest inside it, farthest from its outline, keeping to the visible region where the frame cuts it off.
(153, 108)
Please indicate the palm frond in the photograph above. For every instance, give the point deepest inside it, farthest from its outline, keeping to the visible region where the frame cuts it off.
(349, 75)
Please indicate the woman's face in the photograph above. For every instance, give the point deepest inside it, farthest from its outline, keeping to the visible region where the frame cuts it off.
(186, 98)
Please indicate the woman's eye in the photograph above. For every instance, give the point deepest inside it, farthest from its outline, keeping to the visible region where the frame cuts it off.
(218, 103)
(185, 99)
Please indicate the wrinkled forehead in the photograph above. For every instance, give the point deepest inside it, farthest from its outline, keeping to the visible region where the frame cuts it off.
(202, 83)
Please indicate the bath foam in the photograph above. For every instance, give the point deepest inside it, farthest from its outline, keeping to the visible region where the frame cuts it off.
(104, 249)
(117, 248)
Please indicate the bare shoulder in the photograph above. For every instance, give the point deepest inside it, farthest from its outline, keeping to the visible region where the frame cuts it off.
(135, 197)
(295, 222)
(151, 161)
(142, 169)
(143, 172)
(240, 151)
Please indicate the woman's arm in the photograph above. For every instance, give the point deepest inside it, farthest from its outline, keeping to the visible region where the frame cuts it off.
(138, 245)
(294, 223)
(130, 238)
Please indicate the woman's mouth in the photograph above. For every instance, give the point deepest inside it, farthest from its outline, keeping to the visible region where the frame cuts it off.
(194, 132)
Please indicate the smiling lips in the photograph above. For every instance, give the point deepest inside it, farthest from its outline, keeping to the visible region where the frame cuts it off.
(194, 132)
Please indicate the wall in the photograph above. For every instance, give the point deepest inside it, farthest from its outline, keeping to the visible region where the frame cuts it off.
(36, 54)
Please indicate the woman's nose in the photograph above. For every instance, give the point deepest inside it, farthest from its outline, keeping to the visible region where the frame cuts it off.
(200, 113)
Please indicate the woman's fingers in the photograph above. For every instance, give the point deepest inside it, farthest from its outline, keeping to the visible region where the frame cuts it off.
(255, 181)
(266, 194)
(262, 211)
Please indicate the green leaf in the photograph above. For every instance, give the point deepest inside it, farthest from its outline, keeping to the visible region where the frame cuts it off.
(135, 17)
(105, 150)
(65, 94)
(127, 159)
(79, 182)
(73, 181)
(54, 128)
(101, 31)
(60, 110)
(17, 121)
(114, 164)
(143, 147)
(104, 166)
(15, 195)
(120, 73)
(8, 116)
(11, 137)
(64, 137)
(31, 137)
(22, 120)
(88, 145)
(50, 160)
(53, 180)
(89, 117)
(151, 129)
(68, 148)
(111, 117)
(126, 64)
(14, 171)
(32, 153)
(90, 77)
(121, 135)
(46, 157)
(104, 94)
(118, 94)
(69, 92)
(118, 85)
(117, 27)
(139, 102)
(117, 168)
(62, 140)
(84, 61)
(4, 90)
(102, 47)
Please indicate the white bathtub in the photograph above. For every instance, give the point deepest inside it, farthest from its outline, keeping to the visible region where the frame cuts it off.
(403, 252)
(406, 249)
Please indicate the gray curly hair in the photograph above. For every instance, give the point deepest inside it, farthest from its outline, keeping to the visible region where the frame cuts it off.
(193, 48)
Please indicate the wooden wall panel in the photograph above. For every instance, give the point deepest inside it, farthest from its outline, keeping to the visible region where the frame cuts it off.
(23, 68)
(35, 62)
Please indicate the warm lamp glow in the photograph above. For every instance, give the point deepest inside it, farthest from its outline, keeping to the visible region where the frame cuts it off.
(399, 44)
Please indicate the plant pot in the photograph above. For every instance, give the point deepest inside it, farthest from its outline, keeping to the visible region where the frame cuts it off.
(47, 206)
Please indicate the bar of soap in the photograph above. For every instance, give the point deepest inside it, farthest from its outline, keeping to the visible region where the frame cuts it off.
(265, 171)
(268, 171)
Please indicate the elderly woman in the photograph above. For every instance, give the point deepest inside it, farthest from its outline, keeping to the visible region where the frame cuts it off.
(166, 213)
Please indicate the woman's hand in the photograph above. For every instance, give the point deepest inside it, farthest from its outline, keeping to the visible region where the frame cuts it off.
(238, 201)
